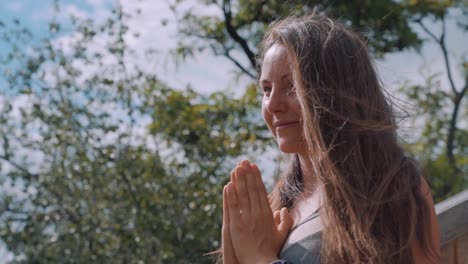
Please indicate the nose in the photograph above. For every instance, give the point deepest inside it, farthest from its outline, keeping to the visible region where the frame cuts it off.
(276, 102)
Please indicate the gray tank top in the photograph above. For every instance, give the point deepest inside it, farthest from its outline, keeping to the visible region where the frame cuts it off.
(306, 250)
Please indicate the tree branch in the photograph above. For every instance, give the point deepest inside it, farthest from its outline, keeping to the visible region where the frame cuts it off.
(128, 185)
(70, 214)
(237, 63)
(233, 33)
(6, 208)
(17, 166)
(430, 33)
(259, 10)
(453, 124)
(458, 96)
(442, 45)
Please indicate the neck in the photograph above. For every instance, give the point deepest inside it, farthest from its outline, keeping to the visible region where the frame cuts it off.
(308, 176)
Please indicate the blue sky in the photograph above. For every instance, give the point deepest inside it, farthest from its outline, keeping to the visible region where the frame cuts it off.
(207, 73)
(36, 14)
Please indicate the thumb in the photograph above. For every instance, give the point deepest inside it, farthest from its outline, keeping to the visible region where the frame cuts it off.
(285, 224)
(277, 217)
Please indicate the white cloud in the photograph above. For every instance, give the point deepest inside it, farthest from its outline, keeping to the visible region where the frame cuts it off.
(206, 73)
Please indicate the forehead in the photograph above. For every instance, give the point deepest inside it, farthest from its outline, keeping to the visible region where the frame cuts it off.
(275, 63)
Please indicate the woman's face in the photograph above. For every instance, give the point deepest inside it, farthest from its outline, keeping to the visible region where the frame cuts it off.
(280, 106)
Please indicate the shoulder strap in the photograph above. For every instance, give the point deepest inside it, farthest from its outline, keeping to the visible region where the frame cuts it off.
(309, 218)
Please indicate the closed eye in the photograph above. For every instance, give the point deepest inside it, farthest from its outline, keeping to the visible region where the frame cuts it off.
(266, 90)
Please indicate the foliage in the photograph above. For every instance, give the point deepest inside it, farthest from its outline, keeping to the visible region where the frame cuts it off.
(239, 25)
(388, 26)
(441, 147)
(433, 106)
(102, 162)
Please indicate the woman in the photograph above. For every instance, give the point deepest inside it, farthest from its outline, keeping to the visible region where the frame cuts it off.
(351, 194)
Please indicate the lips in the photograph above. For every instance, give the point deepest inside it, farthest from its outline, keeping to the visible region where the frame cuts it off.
(285, 124)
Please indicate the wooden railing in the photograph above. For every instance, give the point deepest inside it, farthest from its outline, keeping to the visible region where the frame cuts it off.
(453, 219)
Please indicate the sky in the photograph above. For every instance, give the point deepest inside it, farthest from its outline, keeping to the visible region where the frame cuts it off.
(207, 73)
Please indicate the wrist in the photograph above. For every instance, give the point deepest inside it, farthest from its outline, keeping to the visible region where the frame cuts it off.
(267, 259)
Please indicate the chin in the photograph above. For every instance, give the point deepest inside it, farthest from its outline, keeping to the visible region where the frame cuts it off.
(290, 147)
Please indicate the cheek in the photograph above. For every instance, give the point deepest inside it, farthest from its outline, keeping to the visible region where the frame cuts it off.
(295, 105)
(267, 117)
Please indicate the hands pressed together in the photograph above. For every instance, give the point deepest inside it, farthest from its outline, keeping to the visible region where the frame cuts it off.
(251, 232)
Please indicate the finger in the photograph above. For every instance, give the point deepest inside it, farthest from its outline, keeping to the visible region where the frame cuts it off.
(227, 247)
(277, 217)
(262, 193)
(252, 190)
(244, 163)
(233, 204)
(242, 193)
(285, 224)
(233, 180)
(225, 207)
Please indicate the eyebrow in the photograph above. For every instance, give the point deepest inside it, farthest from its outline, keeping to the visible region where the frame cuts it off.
(283, 76)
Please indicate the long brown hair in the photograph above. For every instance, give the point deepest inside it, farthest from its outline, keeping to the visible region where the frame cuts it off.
(372, 199)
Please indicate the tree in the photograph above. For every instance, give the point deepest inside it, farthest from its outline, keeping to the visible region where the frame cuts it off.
(107, 163)
(442, 146)
(239, 26)
(102, 162)
(389, 26)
